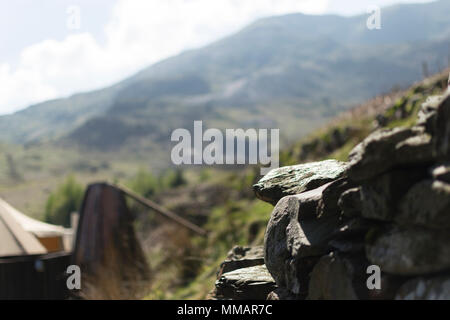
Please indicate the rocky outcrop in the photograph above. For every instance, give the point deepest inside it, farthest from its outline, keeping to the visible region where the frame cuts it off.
(335, 225)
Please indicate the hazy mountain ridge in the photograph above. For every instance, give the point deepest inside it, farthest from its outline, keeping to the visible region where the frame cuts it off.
(294, 64)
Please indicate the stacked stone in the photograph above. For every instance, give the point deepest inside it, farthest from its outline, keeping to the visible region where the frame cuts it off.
(389, 207)
(243, 276)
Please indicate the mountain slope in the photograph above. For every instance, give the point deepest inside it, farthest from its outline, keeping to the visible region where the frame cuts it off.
(292, 71)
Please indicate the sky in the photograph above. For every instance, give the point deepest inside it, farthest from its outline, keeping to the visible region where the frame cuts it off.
(54, 48)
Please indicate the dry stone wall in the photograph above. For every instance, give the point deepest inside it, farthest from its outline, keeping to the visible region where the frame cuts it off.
(335, 225)
(388, 208)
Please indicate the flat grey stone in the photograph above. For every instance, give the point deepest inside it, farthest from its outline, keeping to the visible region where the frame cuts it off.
(242, 257)
(253, 283)
(292, 180)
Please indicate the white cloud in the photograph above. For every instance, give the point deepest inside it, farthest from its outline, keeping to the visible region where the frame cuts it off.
(20, 87)
(139, 33)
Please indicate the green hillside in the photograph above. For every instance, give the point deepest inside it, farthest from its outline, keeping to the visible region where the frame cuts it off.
(294, 71)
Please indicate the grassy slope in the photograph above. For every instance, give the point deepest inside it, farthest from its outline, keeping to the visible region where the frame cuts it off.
(29, 173)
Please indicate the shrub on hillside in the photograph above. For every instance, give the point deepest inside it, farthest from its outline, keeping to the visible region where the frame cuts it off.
(172, 178)
(144, 183)
(63, 201)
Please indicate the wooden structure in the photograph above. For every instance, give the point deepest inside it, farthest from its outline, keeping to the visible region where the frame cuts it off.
(34, 276)
(112, 263)
(21, 234)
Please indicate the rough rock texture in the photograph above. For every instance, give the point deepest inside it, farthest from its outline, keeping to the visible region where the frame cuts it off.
(441, 172)
(427, 114)
(375, 228)
(387, 149)
(253, 283)
(349, 238)
(409, 250)
(442, 132)
(437, 288)
(291, 238)
(285, 181)
(335, 278)
(379, 196)
(282, 294)
(328, 204)
(350, 202)
(389, 210)
(340, 276)
(368, 158)
(427, 203)
(242, 257)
